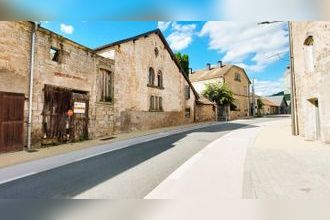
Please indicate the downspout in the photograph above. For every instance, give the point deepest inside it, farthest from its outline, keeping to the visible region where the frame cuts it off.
(29, 124)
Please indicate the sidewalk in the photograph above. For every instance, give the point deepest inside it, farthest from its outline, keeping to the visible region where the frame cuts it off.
(9, 159)
(256, 162)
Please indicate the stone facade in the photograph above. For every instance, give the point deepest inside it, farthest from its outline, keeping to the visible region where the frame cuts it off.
(311, 49)
(123, 105)
(77, 70)
(240, 85)
(205, 112)
(133, 59)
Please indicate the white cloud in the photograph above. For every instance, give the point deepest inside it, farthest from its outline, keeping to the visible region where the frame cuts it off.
(67, 29)
(182, 36)
(268, 87)
(260, 45)
(163, 25)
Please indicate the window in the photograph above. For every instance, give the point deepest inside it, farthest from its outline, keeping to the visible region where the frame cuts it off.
(187, 92)
(54, 54)
(309, 54)
(156, 52)
(160, 79)
(187, 113)
(237, 77)
(151, 77)
(106, 86)
(156, 104)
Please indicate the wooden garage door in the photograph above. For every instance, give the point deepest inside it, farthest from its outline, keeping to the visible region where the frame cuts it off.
(11, 122)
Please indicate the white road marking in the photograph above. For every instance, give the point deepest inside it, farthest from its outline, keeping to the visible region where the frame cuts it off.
(179, 172)
(17, 177)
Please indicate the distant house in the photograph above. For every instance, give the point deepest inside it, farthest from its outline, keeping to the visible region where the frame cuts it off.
(234, 76)
(281, 103)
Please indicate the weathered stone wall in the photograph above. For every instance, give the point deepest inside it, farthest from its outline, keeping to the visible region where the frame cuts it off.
(131, 93)
(205, 113)
(312, 84)
(15, 47)
(78, 69)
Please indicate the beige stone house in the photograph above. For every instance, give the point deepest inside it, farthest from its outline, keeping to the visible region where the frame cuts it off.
(311, 73)
(79, 93)
(151, 88)
(235, 77)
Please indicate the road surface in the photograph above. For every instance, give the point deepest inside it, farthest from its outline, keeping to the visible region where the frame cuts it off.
(131, 172)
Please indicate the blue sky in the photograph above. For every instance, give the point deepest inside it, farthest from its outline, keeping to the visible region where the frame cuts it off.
(261, 49)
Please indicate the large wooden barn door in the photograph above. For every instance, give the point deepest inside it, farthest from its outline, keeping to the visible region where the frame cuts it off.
(11, 122)
(65, 115)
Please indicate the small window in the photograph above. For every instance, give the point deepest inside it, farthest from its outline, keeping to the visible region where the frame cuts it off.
(309, 54)
(160, 79)
(156, 103)
(156, 52)
(151, 77)
(187, 113)
(187, 92)
(152, 103)
(237, 77)
(55, 54)
(106, 86)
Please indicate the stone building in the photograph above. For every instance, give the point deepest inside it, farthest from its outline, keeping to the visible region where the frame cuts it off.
(235, 77)
(151, 89)
(311, 72)
(80, 93)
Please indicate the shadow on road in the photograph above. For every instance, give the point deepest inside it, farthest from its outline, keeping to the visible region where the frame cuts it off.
(72, 179)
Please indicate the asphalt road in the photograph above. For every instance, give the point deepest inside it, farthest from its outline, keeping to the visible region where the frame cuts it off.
(126, 173)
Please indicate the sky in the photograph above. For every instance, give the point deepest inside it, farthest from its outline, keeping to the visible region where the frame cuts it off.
(262, 50)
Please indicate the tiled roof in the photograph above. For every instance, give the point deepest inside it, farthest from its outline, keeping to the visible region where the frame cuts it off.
(206, 74)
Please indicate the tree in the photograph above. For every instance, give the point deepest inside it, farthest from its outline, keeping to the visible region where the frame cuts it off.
(184, 62)
(219, 93)
(260, 106)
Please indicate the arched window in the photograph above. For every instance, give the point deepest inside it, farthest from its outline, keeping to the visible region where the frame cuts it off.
(160, 79)
(151, 76)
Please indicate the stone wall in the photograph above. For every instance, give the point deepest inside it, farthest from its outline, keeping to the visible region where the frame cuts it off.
(78, 70)
(312, 85)
(205, 113)
(132, 93)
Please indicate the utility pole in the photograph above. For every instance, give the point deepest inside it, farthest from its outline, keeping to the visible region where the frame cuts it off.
(294, 113)
(253, 100)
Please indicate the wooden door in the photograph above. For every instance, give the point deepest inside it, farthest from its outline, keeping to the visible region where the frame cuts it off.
(11, 121)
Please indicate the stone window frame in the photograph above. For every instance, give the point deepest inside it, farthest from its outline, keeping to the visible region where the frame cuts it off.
(106, 86)
(55, 54)
(238, 77)
(160, 82)
(309, 53)
(187, 112)
(151, 77)
(155, 104)
(187, 92)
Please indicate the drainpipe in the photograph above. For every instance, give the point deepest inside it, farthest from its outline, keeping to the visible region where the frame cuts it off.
(29, 124)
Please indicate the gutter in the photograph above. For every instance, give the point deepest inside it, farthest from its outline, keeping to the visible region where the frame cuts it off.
(31, 76)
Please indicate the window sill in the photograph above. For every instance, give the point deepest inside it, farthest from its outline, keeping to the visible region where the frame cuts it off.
(155, 87)
(156, 110)
(104, 103)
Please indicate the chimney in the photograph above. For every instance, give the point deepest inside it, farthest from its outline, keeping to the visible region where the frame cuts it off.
(220, 64)
(208, 66)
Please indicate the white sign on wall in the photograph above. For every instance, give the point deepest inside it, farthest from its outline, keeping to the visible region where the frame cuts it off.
(79, 107)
